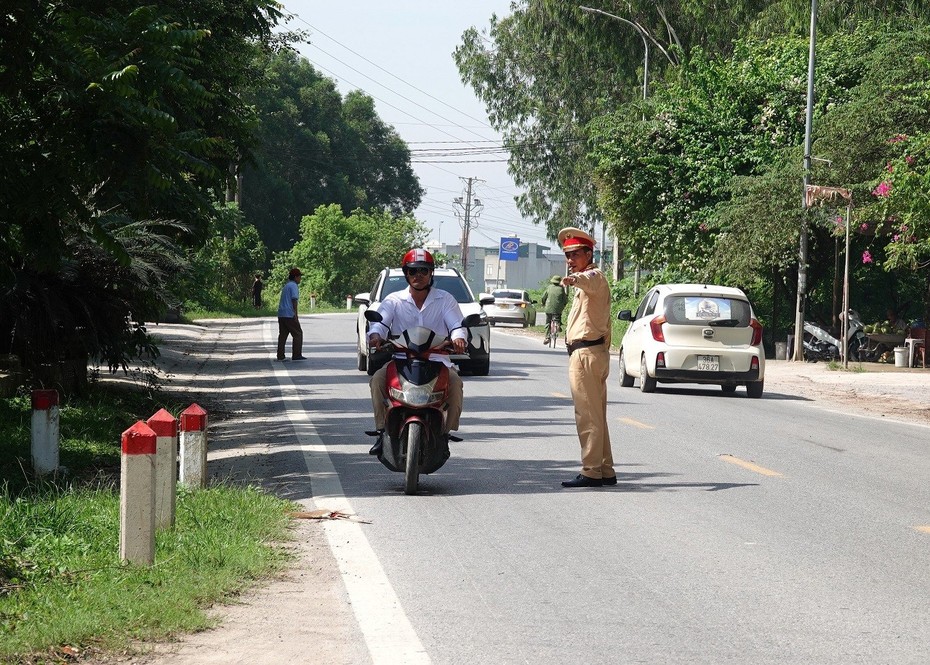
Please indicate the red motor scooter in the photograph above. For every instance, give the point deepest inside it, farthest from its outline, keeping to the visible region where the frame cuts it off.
(417, 393)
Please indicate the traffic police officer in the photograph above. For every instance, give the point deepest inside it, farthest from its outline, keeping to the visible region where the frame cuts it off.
(588, 342)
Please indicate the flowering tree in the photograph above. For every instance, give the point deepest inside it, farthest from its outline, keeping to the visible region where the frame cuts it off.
(904, 199)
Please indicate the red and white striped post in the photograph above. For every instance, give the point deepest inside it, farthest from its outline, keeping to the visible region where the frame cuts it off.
(194, 447)
(137, 495)
(165, 427)
(46, 432)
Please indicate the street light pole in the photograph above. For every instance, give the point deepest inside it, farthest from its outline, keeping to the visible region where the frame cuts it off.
(642, 34)
(802, 248)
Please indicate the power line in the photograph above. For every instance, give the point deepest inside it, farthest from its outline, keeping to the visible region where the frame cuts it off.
(374, 64)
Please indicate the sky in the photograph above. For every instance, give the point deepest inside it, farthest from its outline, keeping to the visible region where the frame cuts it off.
(399, 52)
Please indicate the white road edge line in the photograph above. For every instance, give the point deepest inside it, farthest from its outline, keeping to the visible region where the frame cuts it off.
(388, 632)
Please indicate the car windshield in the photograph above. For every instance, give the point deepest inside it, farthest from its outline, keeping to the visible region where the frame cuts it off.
(707, 310)
(513, 295)
(451, 283)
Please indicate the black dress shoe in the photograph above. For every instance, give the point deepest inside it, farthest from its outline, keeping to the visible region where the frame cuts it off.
(299, 358)
(583, 481)
(609, 481)
(379, 444)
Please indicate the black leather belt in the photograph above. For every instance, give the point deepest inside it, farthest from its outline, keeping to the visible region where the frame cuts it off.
(583, 343)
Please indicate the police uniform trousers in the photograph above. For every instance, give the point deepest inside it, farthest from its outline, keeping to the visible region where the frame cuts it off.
(587, 375)
(378, 384)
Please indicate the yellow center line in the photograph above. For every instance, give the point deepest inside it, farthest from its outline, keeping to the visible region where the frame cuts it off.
(923, 529)
(749, 465)
(635, 423)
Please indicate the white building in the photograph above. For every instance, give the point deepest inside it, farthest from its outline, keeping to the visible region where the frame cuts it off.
(532, 269)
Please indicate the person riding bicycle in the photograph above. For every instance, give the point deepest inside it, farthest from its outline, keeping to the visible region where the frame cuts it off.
(554, 300)
(418, 305)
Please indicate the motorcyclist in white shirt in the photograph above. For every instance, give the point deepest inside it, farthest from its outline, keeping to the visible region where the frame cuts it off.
(418, 305)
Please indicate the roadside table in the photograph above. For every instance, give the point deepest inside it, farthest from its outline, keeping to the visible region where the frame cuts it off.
(879, 343)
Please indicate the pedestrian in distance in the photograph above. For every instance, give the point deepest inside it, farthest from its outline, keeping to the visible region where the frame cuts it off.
(288, 323)
(553, 300)
(587, 339)
(257, 287)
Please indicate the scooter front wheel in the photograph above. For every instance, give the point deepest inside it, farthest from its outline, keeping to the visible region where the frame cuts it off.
(414, 446)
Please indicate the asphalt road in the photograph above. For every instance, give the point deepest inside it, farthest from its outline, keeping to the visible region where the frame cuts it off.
(763, 531)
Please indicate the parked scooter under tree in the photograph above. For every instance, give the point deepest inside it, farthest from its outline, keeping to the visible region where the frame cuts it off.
(819, 344)
(416, 440)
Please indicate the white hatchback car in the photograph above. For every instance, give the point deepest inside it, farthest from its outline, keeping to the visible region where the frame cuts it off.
(693, 333)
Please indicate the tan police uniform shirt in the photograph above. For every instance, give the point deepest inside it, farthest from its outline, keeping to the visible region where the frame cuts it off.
(589, 318)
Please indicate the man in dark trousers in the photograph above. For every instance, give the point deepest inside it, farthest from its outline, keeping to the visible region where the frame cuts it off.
(288, 323)
(587, 338)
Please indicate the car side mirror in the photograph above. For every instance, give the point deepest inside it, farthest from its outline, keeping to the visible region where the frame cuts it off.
(625, 315)
(362, 299)
(486, 300)
(373, 316)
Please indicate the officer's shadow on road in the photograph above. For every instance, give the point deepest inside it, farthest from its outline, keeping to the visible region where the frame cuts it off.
(462, 476)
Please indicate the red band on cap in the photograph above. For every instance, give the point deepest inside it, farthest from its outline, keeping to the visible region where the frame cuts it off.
(43, 400)
(163, 423)
(572, 243)
(139, 440)
(193, 419)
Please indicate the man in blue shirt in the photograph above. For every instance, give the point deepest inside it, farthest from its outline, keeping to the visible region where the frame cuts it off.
(288, 323)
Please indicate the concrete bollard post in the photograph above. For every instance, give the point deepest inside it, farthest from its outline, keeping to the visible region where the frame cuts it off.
(165, 427)
(137, 495)
(194, 447)
(46, 432)
(349, 302)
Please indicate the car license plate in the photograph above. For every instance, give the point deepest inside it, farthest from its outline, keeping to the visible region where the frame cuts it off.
(708, 363)
(504, 305)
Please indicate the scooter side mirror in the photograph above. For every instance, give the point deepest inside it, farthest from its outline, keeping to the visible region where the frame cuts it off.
(471, 320)
(373, 316)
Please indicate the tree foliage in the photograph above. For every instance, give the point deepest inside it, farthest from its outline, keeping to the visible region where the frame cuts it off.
(711, 182)
(338, 254)
(117, 124)
(316, 147)
(222, 270)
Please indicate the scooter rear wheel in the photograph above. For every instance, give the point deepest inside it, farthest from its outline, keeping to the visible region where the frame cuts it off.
(412, 468)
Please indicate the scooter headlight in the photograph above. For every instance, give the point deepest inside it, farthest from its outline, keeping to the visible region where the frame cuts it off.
(416, 395)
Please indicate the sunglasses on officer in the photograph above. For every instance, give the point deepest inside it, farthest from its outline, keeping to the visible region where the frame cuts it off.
(416, 271)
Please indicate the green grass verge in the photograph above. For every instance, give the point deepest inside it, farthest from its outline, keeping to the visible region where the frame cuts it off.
(193, 312)
(61, 581)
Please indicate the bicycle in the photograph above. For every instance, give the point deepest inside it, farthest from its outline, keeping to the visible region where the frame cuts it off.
(554, 329)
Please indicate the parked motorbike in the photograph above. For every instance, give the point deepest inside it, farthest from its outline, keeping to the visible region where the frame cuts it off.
(418, 388)
(819, 344)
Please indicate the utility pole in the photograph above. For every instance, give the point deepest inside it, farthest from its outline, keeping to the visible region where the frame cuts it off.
(470, 207)
(802, 245)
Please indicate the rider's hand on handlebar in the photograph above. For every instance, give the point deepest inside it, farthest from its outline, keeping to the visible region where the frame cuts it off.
(375, 341)
(459, 345)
